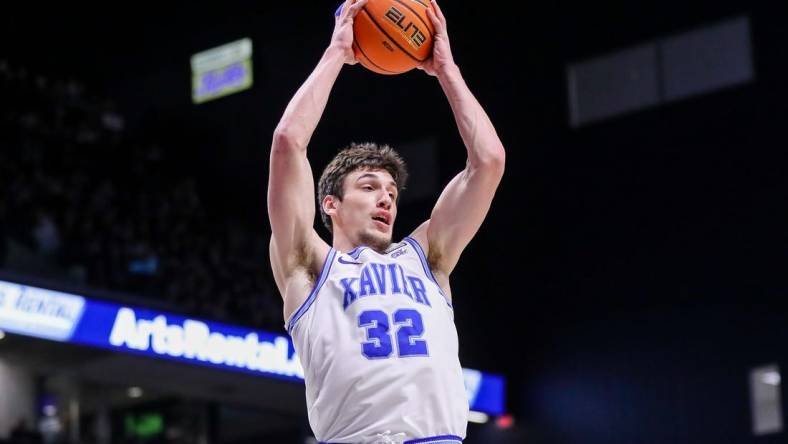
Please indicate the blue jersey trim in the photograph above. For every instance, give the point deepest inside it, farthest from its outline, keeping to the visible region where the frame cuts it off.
(350, 253)
(442, 439)
(423, 257)
(356, 252)
(426, 265)
(321, 279)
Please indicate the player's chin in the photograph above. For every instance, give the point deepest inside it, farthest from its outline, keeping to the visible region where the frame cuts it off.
(383, 238)
(377, 239)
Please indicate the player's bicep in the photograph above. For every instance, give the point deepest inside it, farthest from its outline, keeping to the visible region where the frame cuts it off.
(459, 213)
(291, 204)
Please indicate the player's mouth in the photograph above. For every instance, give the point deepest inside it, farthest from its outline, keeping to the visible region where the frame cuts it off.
(382, 220)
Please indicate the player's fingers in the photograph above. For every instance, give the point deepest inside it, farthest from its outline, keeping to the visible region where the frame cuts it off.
(436, 23)
(344, 8)
(357, 7)
(438, 12)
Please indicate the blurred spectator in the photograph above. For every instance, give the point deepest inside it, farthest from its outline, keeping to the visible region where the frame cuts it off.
(110, 213)
(46, 233)
(22, 433)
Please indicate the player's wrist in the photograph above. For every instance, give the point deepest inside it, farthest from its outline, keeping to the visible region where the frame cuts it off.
(337, 53)
(447, 70)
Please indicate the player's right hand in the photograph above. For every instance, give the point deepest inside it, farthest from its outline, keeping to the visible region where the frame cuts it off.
(441, 58)
(343, 28)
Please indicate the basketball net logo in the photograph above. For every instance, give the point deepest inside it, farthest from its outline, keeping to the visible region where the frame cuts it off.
(410, 31)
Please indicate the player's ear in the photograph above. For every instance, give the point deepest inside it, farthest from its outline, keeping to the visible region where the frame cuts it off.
(330, 204)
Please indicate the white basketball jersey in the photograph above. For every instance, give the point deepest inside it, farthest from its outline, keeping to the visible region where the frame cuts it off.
(377, 341)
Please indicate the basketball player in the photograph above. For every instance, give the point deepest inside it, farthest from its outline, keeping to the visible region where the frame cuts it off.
(372, 320)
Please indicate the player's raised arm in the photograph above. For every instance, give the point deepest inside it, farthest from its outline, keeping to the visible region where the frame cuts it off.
(291, 196)
(464, 203)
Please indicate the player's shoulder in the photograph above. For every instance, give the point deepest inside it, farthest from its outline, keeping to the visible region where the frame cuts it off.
(306, 259)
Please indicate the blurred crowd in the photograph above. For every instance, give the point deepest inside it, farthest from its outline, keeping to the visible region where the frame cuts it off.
(83, 200)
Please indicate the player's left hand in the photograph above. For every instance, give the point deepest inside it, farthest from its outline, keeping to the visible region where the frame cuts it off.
(342, 37)
(441, 58)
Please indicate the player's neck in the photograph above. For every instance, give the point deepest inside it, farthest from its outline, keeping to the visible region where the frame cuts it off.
(344, 244)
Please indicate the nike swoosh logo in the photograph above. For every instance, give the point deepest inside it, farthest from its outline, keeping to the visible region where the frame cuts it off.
(342, 261)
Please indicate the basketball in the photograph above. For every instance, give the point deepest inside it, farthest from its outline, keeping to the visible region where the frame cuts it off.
(393, 36)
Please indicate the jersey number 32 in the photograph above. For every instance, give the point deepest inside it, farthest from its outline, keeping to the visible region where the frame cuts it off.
(408, 326)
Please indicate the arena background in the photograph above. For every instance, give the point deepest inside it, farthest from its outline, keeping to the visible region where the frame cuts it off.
(630, 278)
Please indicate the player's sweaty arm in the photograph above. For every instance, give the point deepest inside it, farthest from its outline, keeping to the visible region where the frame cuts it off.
(465, 201)
(291, 195)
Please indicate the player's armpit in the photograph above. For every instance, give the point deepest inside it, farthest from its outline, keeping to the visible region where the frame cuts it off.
(459, 213)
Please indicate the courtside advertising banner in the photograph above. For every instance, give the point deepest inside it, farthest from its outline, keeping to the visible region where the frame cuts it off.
(71, 318)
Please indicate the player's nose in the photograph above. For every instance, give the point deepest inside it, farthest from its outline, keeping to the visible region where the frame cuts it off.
(384, 201)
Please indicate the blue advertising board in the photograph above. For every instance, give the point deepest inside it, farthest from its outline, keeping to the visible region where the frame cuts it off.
(71, 318)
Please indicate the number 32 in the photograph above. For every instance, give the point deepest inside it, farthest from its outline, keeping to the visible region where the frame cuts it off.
(379, 345)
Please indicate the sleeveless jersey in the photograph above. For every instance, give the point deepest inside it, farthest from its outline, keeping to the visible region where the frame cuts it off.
(378, 345)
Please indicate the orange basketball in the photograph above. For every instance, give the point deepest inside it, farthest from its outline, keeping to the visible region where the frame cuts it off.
(393, 36)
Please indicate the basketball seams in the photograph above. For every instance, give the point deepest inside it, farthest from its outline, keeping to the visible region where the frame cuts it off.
(392, 40)
(361, 50)
(429, 26)
(371, 42)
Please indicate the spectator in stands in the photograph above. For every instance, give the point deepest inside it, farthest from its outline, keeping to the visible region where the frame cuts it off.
(111, 213)
(22, 433)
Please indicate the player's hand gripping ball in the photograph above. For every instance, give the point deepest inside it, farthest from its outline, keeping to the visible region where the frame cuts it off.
(392, 36)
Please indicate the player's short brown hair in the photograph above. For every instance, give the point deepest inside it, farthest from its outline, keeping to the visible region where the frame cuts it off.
(358, 156)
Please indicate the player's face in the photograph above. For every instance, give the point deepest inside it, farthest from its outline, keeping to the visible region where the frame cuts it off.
(369, 207)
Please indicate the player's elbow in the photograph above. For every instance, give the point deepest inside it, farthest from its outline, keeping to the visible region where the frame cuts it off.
(286, 138)
(493, 161)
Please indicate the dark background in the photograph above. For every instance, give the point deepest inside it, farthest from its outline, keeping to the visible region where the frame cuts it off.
(630, 271)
